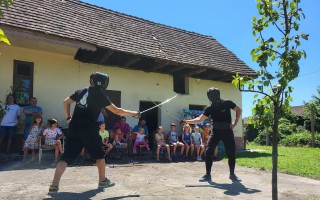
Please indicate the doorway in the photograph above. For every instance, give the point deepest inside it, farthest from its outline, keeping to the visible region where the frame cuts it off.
(151, 117)
(111, 118)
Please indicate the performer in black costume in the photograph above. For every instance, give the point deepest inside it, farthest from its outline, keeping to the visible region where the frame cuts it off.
(222, 129)
(83, 130)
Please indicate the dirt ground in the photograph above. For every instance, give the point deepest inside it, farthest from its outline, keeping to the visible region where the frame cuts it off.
(147, 179)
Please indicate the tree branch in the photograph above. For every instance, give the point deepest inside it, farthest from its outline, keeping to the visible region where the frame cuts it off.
(255, 91)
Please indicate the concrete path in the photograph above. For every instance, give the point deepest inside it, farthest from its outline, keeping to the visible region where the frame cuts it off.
(150, 180)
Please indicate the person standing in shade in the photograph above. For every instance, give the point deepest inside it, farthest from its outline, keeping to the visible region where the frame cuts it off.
(220, 114)
(9, 121)
(83, 130)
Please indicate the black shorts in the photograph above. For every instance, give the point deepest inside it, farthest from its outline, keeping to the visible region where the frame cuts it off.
(78, 139)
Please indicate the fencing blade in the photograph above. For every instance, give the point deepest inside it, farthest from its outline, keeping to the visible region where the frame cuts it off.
(156, 106)
(165, 110)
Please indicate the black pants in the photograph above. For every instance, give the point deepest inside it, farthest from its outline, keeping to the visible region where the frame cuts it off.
(227, 138)
(82, 137)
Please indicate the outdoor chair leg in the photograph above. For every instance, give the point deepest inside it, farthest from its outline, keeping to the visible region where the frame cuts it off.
(40, 155)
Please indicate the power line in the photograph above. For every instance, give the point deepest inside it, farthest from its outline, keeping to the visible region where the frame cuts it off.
(310, 73)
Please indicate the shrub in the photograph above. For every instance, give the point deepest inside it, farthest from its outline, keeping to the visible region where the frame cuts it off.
(300, 139)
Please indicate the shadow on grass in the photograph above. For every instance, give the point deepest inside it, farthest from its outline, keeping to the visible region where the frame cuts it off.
(247, 154)
(254, 154)
(233, 189)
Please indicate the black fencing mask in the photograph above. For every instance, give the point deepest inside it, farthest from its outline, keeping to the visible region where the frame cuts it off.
(213, 95)
(99, 80)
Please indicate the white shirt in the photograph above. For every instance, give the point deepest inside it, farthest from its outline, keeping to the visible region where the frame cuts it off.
(140, 138)
(11, 116)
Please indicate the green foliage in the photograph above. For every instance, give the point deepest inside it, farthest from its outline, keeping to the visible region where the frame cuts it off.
(6, 4)
(250, 132)
(315, 105)
(302, 139)
(292, 160)
(281, 50)
(285, 127)
(18, 89)
(2, 110)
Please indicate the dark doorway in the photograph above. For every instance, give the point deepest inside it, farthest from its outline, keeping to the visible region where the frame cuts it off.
(111, 119)
(151, 117)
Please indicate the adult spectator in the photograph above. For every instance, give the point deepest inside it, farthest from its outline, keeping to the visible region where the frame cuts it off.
(125, 129)
(9, 122)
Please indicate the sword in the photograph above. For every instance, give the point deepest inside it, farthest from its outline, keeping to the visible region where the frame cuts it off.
(166, 101)
(165, 110)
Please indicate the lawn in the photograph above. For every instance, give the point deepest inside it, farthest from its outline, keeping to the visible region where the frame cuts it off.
(299, 161)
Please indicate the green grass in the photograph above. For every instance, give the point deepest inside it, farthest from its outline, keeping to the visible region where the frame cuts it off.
(291, 160)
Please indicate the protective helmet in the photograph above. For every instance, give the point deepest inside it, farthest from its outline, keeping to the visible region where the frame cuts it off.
(98, 79)
(213, 95)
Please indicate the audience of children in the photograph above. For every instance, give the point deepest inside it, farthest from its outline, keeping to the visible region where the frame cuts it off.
(188, 140)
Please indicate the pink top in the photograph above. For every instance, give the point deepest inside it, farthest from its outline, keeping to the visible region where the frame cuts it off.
(125, 128)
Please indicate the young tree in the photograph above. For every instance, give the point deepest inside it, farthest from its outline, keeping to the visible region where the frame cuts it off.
(278, 56)
(6, 3)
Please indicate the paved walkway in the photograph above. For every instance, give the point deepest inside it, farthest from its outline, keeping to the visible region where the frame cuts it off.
(149, 180)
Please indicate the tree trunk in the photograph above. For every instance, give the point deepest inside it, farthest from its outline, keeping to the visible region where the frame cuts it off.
(267, 136)
(312, 126)
(275, 152)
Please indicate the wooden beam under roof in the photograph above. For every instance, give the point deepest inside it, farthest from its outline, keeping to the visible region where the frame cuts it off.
(174, 69)
(157, 66)
(194, 72)
(132, 61)
(106, 56)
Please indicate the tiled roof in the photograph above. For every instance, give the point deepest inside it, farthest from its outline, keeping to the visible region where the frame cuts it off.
(297, 110)
(108, 29)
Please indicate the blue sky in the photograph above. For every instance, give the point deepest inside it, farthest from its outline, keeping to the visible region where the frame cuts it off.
(229, 22)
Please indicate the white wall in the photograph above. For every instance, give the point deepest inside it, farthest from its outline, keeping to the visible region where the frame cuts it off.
(57, 76)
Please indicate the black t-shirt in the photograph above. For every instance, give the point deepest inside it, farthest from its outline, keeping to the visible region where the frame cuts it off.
(89, 102)
(220, 112)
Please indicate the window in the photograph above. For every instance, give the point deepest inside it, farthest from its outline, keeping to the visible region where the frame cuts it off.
(22, 82)
(196, 107)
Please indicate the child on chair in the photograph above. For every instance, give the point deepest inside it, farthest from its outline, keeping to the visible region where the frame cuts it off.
(33, 137)
(159, 137)
(52, 137)
(140, 140)
(104, 134)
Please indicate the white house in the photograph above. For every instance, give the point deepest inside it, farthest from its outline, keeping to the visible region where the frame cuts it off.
(56, 45)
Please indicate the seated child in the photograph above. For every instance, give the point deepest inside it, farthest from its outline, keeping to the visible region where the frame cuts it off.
(173, 140)
(197, 141)
(52, 137)
(104, 134)
(159, 137)
(118, 138)
(186, 139)
(140, 140)
(32, 141)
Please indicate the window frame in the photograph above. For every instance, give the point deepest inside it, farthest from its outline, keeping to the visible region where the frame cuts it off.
(17, 78)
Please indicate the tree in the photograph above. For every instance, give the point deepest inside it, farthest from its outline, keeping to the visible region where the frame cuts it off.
(6, 3)
(278, 56)
(314, 105)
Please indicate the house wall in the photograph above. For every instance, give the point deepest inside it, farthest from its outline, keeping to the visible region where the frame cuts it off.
(57, 75)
